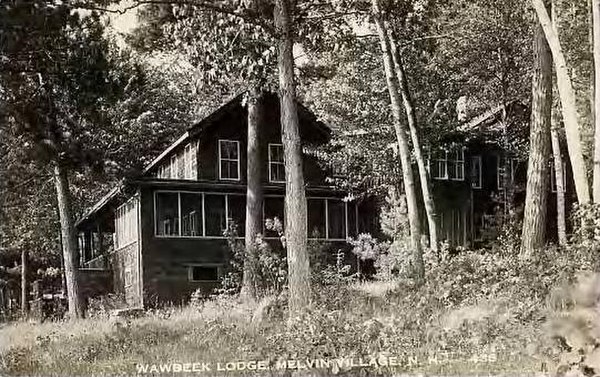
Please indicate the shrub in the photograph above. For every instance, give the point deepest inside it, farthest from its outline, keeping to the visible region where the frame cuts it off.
(100, 307)
(575, 328)
(270, 267)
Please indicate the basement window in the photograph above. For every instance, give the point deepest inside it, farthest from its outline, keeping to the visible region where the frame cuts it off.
(204, 273)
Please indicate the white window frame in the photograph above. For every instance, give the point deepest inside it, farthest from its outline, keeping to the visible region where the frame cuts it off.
(326, 215)
(190, 160)
(479, 184)
(271, 163)
(238, 160)
(227, 195)
(459, 164)
(202, 226)
(441, 163)
(553, 187)
(126, 223)
(190, 268)
(174, 167)
(499, 167)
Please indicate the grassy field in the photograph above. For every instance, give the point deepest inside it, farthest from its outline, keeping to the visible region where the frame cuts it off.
(357, 329)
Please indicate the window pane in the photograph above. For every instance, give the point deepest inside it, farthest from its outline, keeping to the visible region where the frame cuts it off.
(237, 212)
(167, 214)
(214, 206)
(273, 208)
(476, 171)
(277, 172)
(316, 218)
(229, 149)
(181, 166)
(229, 169)
(191, 215)
(276, 153)
(337, 219)
(452, 169)
(352, 219)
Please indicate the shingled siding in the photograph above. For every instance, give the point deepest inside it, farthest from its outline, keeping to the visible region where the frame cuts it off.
(166, 261)
(126, 274)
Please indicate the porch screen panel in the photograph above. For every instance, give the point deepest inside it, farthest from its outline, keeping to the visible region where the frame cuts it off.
(167, 214)
(237, 212)
(316, 218)
(336, 216)
(126, 224)
(191, 214)
(352, 225)
(214, 207)
(273, 208)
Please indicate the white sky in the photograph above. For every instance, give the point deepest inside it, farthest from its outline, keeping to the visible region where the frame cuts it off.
(124, 23)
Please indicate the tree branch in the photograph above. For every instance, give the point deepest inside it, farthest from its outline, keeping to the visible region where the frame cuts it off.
(217, 7)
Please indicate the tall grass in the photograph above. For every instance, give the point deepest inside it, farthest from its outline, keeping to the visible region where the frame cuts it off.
(476, 313)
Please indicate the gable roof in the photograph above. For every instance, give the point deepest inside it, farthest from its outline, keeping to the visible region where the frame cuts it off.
(195, 130)
(488, 118)
(204, 124)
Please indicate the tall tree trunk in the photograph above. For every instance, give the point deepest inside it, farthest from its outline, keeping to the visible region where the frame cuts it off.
(596, 96)
(69, 240)
(561, 222)
(254, 194)
(567, 99)
(24, 271)
(295, 197)
(409, 108)
(403, 147)
(534, 221)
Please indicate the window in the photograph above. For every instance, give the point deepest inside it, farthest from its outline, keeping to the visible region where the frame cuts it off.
(126, 224)
(183, 165)
(236, 213)
(316, 218)
(276, 163)
(204, 273)
(198, 214)
(163, 171)
(190, 161)
(352, 219)
(500, 171)
(214, 209)
(553, 177)
(327, 219)
(174, 167)
(167, 214)
(229, 160)
(448, 164)
(273, 207)
(476, 172)
(191, 215)
(439, 165)
(336, 219)
(456, 164)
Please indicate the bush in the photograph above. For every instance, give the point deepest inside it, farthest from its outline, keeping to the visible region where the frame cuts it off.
(575, 327)
(270, 267)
